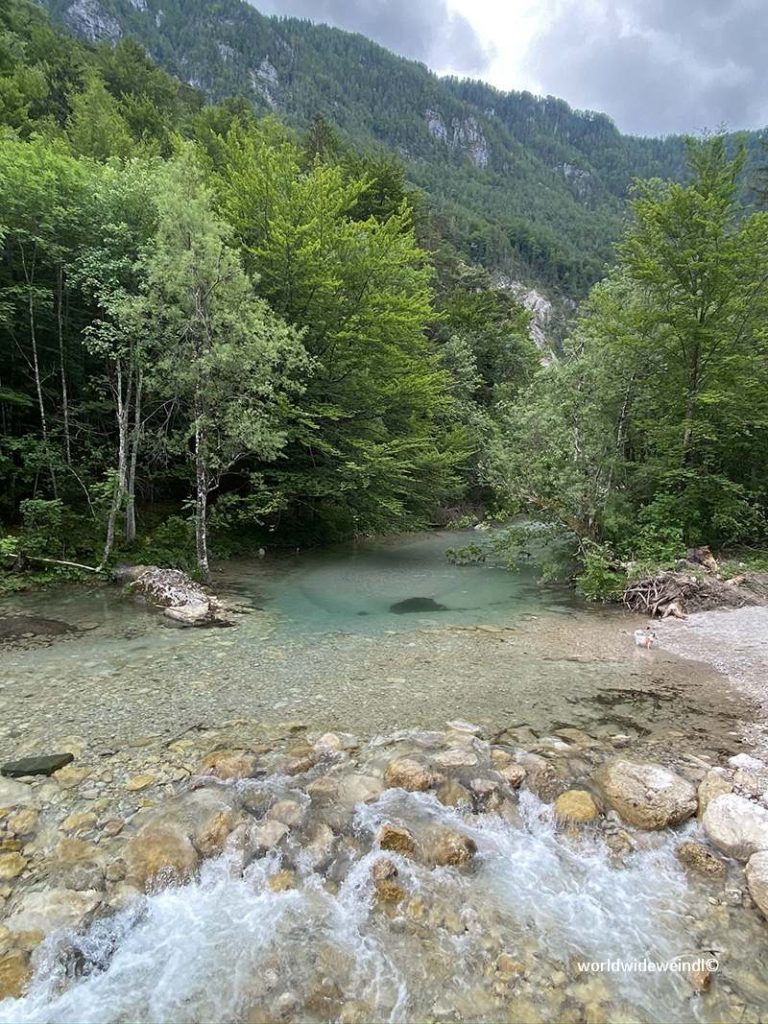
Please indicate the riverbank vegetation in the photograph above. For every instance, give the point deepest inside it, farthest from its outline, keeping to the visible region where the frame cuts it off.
(218, 334)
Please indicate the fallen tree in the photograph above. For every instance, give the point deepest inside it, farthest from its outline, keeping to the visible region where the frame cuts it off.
(181, 599)
(678, 592)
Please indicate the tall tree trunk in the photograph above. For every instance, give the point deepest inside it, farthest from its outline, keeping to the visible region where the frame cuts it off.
(29, 276)
(201, 501)
(62, 365)
(123, 404)
(130, 506)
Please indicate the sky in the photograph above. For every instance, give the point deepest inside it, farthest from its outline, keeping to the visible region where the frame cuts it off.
(655, 66)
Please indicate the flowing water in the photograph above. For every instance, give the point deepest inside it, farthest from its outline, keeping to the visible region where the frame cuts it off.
(385, 640)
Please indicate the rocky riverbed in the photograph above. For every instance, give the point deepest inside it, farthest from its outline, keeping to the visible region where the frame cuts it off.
(261, 872)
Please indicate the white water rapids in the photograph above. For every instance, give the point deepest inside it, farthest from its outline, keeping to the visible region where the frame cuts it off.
(228, 948)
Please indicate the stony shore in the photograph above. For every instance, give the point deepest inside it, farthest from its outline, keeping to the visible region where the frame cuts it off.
(89, 840)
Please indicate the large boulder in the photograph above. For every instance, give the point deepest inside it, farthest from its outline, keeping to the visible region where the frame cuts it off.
(736, 826)
(647, 795)
(757, 879)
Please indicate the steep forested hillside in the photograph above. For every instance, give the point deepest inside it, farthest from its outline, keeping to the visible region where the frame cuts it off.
(524, 185)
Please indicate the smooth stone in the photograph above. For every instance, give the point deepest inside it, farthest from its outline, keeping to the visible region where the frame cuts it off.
(44, 764)
(159, 853)
(576, 805)
(358, 789)
(230, 764)
(715, 783)
(757, 880)
(139, 782)
(456, 758)
(22, 822)
(15, 973)
(79, 822)
(289, 812)
(513, 774)
(11, 865)
(266, 836)
(452, 794)
(736, 826)
(16, 794)
(50, 909)
(647, 795)
(445, 847)
(405, 773)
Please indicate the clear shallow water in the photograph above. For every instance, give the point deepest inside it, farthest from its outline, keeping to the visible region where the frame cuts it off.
(306, 651)
(394, 584)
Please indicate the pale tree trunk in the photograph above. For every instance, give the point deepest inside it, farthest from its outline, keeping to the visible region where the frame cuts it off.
(130, 507)
(62, 370)
(118, 495)
(201, 500)
(29, 276)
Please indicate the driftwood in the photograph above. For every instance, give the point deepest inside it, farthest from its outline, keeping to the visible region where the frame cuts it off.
(676, 593)
(20, 559)
(181, 599)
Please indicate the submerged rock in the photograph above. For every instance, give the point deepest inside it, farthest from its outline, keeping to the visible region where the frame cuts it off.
(21, 627)
(647, 795)
(446, 847)
(412, 605)
(696, 857)
(159, 853)
(405, 773)
(15, 973)
(396, 839)
(51, 909)
(41, 764)
(737, 826)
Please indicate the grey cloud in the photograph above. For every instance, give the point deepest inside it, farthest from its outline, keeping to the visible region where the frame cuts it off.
(424, 30)
(658, 66)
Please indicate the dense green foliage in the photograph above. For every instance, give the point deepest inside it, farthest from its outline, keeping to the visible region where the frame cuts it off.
(524, 186)
(212, 324)
(219, 331)
(652, 433)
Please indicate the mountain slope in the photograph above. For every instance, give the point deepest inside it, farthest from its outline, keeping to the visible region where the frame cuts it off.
(525, 185)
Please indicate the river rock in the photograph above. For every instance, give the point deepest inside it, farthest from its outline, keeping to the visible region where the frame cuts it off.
(458, 757)
(736, 826)
(576, 805)
(209, 818)
(159, 852)
(647, 795)
(757, 880)
(267, 835)
(398, 840)
(513, 774)
(23, 822)
(385, 884)
(319, 848)
(15, 794)
(43, 764)
(452, 794)
(47, 910)
(323, 790)
(230, 764)
(405, 773)
(540, 777)
(15, 973)
(448, 847)
(696, 857)
(357, 789)
(715, 783)
(80, 821)
(289, 812)
(11, 865)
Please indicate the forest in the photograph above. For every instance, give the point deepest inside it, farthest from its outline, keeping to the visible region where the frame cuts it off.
(219, 333)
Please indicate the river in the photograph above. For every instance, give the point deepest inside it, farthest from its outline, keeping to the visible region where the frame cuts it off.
(386, 641)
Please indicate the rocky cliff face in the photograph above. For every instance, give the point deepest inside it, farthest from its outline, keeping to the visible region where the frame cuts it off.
(89, 19)
(464, 134)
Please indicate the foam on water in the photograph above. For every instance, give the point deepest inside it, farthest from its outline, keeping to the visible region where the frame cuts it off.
(227, 948)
